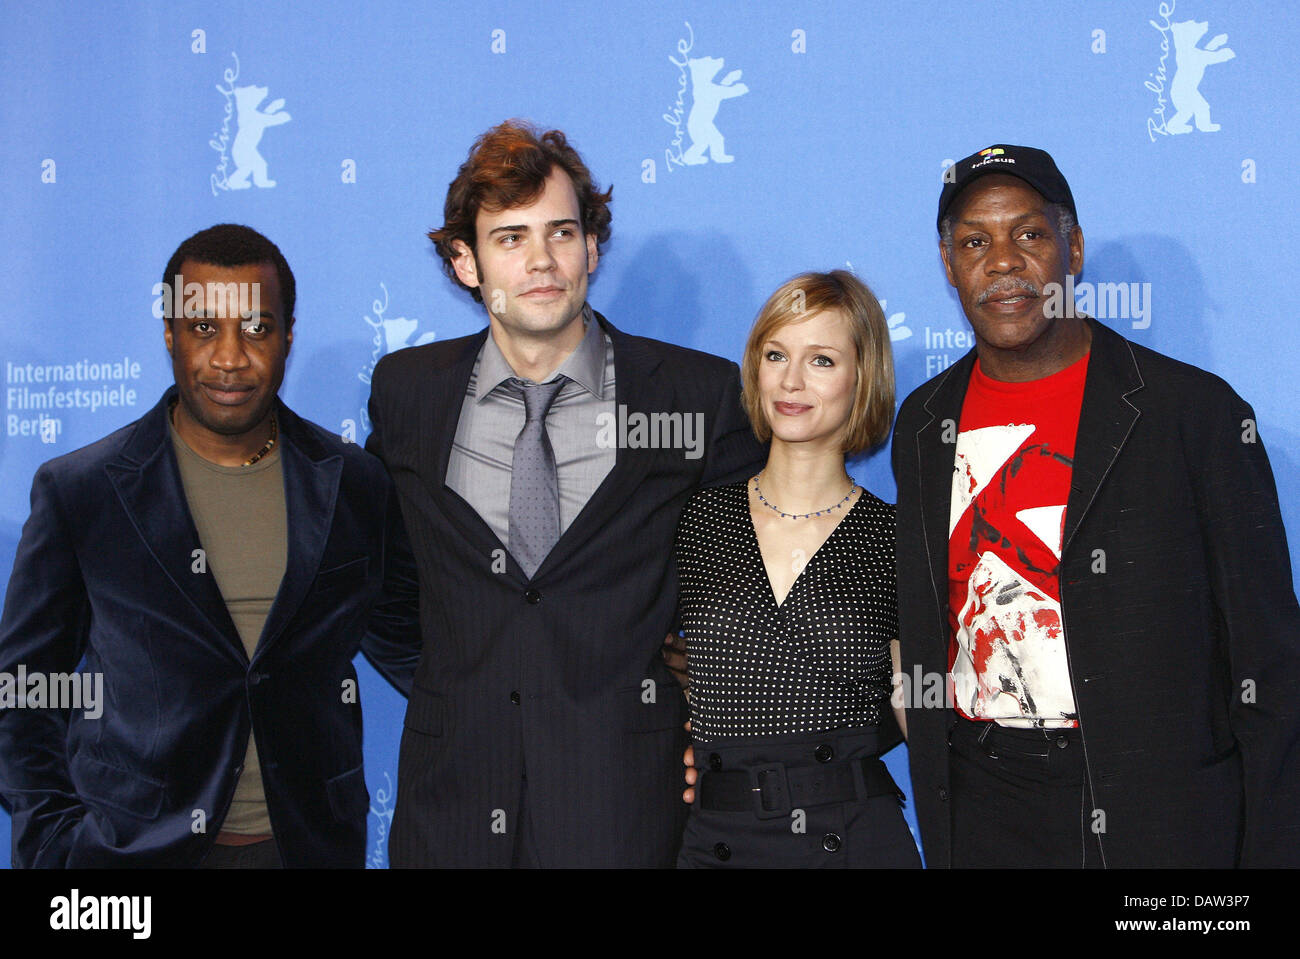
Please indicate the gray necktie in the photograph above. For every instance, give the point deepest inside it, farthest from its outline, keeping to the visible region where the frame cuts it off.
(534, 488)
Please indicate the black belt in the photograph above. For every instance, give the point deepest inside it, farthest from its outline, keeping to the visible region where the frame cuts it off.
(1014, 740)
(771, 790)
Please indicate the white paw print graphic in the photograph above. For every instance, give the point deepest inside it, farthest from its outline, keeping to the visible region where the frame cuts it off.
(897, 330)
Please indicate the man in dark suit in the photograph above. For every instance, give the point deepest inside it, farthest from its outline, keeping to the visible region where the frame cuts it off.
(1090, 549)
(542, 464)
(216, 563)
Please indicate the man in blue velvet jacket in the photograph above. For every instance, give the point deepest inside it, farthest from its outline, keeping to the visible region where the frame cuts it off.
(212, 568)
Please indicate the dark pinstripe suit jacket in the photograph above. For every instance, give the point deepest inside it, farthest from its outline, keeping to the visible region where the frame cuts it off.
(559, 677)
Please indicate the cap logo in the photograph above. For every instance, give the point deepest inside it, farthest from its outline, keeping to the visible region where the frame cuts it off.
(992, 151)
(991, 158)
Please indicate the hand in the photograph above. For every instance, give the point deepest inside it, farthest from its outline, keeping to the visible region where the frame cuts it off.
(674, 653)
(688, 760)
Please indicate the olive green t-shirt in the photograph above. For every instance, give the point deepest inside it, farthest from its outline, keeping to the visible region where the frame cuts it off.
(239, 513)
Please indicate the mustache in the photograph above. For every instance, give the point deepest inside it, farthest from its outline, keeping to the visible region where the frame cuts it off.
(1010, 285)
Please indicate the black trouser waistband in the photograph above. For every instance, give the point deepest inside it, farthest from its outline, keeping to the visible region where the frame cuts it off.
(770, 790)
(995, 740)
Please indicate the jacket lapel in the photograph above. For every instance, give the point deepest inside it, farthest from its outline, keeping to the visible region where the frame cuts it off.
(637, 390)
(439, 418)
(441, 413)
(936, 450)
(1105, 421)
(148, 484)
(311, 486)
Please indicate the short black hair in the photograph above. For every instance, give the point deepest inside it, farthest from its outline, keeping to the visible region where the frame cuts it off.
(232, 244)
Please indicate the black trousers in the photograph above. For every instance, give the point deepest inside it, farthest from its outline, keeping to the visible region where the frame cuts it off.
(1019, 798)
(858, 833)
(257, 855)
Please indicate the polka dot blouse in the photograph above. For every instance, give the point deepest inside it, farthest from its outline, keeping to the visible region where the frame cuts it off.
(818, 661)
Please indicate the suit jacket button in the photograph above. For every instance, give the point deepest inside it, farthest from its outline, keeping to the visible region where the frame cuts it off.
(722, 851)
(257, 678)
(832, 842)
(533, 597)
(514, 697)
(943, 794)
(715, 762)
(823, 753)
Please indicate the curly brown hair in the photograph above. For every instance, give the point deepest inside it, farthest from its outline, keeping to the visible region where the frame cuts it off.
(507, 167)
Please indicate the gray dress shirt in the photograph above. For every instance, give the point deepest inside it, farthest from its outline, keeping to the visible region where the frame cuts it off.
(492, 415)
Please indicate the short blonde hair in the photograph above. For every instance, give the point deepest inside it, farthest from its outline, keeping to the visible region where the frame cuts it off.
(798, 299)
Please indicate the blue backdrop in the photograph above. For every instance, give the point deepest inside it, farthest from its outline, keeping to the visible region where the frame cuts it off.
(335, 127)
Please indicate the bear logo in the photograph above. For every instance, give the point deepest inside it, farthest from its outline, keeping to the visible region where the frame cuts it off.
(252, 123)
(707, 96)
(397, 334)
(1192, 61)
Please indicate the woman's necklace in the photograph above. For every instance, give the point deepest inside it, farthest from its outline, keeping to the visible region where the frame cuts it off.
(852, 488)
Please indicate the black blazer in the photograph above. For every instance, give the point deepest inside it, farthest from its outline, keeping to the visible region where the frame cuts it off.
(105, 570)
(1182, 629)
(560, 677)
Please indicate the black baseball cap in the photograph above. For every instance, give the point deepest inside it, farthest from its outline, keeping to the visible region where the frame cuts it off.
(1035, 167)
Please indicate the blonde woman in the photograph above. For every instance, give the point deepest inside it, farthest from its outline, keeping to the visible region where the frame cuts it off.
(788, 604)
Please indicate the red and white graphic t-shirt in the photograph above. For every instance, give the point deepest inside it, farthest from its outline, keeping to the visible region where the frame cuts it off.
(1010, 484)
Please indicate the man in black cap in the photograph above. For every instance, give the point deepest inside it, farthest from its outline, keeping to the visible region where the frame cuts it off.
(1091, 559)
